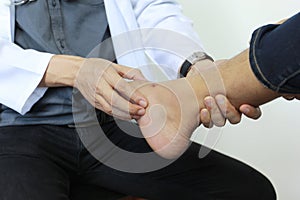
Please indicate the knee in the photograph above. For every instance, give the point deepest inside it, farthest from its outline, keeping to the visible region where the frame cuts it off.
(264, 189)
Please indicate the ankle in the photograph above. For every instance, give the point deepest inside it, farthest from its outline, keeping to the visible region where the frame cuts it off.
(199, 87)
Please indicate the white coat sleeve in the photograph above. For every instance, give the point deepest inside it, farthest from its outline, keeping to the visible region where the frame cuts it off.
(173, 37)
(20, 73)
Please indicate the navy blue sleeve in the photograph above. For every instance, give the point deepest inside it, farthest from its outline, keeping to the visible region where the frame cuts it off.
(275, 55)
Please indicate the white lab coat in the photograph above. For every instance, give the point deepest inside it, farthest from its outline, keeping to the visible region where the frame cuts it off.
(22, 70)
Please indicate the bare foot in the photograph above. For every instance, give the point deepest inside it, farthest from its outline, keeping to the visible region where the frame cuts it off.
(171, 116)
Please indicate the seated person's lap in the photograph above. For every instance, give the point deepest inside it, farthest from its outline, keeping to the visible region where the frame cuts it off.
(43, 161)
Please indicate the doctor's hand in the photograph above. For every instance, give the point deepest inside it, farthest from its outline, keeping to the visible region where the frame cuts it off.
(102, 83)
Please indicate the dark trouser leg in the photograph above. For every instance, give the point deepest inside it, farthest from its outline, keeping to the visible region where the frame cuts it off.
(25, 173)
(92, 192)
(214, 177)
(31, 178)
(41, 163)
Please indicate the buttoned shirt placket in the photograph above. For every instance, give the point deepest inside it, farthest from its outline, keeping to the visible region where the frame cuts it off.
(57, 26)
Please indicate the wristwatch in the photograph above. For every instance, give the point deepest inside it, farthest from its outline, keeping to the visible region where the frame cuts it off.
(191, 60)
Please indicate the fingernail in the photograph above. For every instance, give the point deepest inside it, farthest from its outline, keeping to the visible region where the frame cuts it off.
(204, 112)
(141, 111)
(220, 100)
(246, 110)
(143, 103)
(208, 102)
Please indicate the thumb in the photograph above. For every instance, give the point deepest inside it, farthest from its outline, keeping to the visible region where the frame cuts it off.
(250, 111)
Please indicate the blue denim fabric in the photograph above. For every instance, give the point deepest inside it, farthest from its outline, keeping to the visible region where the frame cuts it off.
(275, 55)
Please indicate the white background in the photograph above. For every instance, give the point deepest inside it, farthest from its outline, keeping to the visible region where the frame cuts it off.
(272, 143)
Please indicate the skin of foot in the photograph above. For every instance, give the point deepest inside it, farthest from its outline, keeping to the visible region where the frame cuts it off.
(172, 114)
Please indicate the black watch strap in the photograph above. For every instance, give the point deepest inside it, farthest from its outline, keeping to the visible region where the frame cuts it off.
(185, 68)
(187, 64)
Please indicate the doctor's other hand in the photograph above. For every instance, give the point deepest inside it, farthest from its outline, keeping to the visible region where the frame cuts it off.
(219, 109)
(102, 83)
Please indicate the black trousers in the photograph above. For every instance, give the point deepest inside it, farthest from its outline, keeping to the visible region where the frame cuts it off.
(59, 163)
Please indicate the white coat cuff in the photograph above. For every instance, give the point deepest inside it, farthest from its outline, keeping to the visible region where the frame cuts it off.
(21, 73)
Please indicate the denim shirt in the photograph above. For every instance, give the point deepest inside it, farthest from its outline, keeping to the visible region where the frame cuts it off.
(72, 27)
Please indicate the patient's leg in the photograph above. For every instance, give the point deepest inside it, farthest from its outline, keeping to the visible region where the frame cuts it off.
(241, 84)
(174, 106)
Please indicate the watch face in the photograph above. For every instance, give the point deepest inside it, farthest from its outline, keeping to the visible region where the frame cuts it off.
(197, 56)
